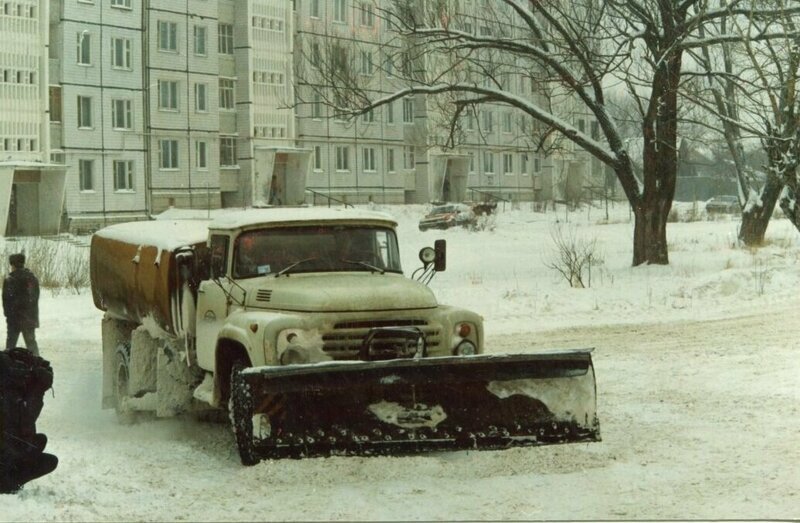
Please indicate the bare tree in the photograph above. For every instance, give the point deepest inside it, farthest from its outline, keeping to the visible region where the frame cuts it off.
(576, 51)
(751, 88)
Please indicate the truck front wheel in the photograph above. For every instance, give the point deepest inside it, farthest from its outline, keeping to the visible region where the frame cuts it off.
(240, 408)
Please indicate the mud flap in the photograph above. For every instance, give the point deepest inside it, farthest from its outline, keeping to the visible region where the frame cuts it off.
(413, 405)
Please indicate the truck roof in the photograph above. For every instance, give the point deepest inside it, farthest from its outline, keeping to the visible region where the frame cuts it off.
(297, 215)
(172, 234)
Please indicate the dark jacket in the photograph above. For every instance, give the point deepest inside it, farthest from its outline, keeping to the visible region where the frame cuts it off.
(21, 299)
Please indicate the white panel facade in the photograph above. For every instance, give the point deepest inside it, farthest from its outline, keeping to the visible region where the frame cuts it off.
(23, 81)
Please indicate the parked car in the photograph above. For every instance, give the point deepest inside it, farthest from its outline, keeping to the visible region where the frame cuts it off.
(448, 215)
(723, 204)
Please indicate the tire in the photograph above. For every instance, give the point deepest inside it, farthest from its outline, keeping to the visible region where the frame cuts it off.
(240, 408)
(125, 414)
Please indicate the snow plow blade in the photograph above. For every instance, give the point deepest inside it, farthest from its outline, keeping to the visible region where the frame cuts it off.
(406, 406)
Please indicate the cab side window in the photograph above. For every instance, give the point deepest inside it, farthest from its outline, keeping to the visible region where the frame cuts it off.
(219, 255)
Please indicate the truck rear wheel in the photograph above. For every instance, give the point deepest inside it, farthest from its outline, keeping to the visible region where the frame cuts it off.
(125, 414)
(240, 408)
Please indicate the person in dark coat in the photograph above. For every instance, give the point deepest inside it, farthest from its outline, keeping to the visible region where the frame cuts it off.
(21, 304)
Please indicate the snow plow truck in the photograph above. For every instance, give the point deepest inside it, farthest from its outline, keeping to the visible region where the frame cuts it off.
(301, 323)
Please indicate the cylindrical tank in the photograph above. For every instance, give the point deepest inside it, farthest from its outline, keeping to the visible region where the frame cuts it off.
(134, 270)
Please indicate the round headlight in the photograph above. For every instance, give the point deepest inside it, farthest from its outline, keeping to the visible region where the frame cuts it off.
(466, 348)
(294, 355)
(463, 329)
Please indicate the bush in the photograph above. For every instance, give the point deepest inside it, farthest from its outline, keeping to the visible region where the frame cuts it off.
(58, 264)
(573, 257)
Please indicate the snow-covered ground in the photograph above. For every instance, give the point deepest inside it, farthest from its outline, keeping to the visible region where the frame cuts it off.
(697, 374)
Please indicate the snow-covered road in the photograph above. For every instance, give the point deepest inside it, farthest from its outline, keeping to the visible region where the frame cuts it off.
(697, 397)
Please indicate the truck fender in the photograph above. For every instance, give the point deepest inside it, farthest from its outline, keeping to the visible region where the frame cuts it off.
(451, 316)
(249, 336)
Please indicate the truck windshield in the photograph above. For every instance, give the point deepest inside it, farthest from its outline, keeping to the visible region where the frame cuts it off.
(319, 249)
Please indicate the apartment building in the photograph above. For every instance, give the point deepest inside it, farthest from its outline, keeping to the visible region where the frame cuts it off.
(97, 108)
(129, 107)
(31, 187)
(405, 151)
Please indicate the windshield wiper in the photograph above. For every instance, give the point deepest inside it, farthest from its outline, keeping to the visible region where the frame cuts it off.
(364, 264)
(291, 266)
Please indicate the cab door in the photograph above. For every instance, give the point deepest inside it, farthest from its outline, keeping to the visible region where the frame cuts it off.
(212, 302)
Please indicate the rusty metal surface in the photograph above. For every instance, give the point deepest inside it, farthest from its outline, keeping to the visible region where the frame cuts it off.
(128, 284)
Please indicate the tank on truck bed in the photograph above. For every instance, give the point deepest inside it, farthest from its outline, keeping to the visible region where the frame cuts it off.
(135, 270)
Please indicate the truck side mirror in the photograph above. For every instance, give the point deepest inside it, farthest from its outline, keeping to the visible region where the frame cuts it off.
(440, 261)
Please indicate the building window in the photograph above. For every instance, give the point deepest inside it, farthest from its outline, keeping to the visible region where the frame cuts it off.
(390, 160)
(389, 65)
(123, 175)
(537, 164)
(408, 157)
(507, 118)
(200, 40)
(84, 112)
(470, 120)
(523, 164)
(487, 121)
(121, 114)
(201, 155)
(368, 156)
(55, 103)
(84, 48)
(317, 157)
(342, 158)
(167, 36)
(339, 60)
(168, 150)
(86, 175)
(408, 110)
(225, 40)
(314, 8)
(201, 98)
(368, 117)
(168, 95)
(488, 162)
(120, 53)
(508, 163)
(316, 54)
(390, 112)
(367, 15)
(366, 63)
(121, 3)
(227, 152)
(340, 11)
(226, 98)
(316, 106)
(471, 162)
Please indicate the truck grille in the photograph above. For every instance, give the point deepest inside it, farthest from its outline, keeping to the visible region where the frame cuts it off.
(344, 341)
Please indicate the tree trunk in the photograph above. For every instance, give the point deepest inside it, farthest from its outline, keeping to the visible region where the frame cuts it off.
(659, 163)
(650, 235)
(755, 218)
(790, 208)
